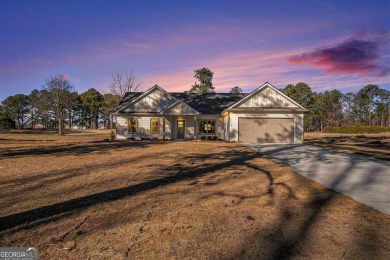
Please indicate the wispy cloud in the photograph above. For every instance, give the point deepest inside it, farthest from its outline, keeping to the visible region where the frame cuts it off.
(356, 55)
(250, 68)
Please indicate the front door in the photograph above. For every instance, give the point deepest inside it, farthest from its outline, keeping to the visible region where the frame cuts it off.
(181, 125)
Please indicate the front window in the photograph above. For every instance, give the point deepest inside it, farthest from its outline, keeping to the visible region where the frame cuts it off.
(133, 125)
(155, 126)
(206, 126)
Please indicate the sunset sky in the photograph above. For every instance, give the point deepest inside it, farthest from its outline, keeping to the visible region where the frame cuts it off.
(341, 45)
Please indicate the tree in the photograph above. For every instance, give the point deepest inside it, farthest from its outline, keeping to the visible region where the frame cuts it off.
(33, 99)
(73, 109)
(328, 106)
(382, 111)
(43, 113)
(124, 81)
(236, 90)
(366, 98)
(303, 94)
(92, 100)
(16, 108)
(5, 120)
(59, 92)
(205, 81)
(110, 102)
(349, 108)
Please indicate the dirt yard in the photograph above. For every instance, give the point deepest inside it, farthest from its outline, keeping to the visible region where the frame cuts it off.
(373, 145)
(79, 197)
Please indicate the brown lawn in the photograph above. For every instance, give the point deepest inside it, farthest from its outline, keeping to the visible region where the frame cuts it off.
(373, 145)
(79, 197)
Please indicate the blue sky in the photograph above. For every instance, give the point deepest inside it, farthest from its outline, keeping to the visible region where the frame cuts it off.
(328, 44)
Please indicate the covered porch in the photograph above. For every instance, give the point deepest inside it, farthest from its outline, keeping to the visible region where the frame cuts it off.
(180, 121)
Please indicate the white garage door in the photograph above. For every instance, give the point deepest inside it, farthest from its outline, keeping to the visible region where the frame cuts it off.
(266, 130)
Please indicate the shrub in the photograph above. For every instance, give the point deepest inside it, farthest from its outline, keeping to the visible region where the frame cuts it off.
(356, 129)
(112, 135)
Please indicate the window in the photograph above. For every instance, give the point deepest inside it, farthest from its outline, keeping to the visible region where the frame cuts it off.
(133, 125)
(155, 125)
(206, 126)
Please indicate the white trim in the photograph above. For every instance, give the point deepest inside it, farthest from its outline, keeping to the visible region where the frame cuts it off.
(263, 117)
(185, 125)
(128, 125)
(159, 125)
(208, 119)
(175, 104)
(144, 95)
(259, 89)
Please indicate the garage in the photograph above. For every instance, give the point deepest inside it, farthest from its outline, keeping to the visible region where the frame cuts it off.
(266, 130)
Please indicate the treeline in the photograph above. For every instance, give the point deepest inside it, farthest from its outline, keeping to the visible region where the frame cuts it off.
(370, 106)
(58, 105)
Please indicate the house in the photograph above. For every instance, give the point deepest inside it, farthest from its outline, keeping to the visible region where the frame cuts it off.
(265, 115)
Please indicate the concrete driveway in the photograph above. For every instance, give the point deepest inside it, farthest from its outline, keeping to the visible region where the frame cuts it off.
(364, 179)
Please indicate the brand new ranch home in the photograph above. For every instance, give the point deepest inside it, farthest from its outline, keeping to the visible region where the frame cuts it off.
(265, 115)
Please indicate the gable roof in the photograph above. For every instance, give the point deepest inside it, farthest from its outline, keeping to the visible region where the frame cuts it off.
(259, 89)
(178, 103)
(133, 97)
(209, 103)
(206, 103)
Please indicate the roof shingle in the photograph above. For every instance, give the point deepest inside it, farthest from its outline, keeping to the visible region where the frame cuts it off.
(205, 103)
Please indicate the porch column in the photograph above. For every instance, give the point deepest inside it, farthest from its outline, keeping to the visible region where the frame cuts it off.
(163, 127)
(195, 127)
(172, 129)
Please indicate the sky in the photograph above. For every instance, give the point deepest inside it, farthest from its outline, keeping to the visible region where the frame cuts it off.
(342, 45)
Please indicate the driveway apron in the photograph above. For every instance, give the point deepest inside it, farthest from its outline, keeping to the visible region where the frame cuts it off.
(364, 179)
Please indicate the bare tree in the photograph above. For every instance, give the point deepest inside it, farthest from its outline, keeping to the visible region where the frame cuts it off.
(124, 81)
(60, 97)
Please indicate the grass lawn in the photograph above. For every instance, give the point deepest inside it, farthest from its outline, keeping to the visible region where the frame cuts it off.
(80, 197)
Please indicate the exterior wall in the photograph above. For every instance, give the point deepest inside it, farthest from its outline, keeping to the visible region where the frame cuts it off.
(171, 123)
(155, 101)
(268, 98)
(143, 128)
(298, 123)
(299, 133)
(226, 127)
(168, 128)
(121, 128)
(219, 125)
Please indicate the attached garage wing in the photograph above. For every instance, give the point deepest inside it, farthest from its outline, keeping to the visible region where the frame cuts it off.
(266, 130)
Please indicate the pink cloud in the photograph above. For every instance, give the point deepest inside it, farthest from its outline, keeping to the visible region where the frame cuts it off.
(64, 76)
(247, 69)
(353, 56)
